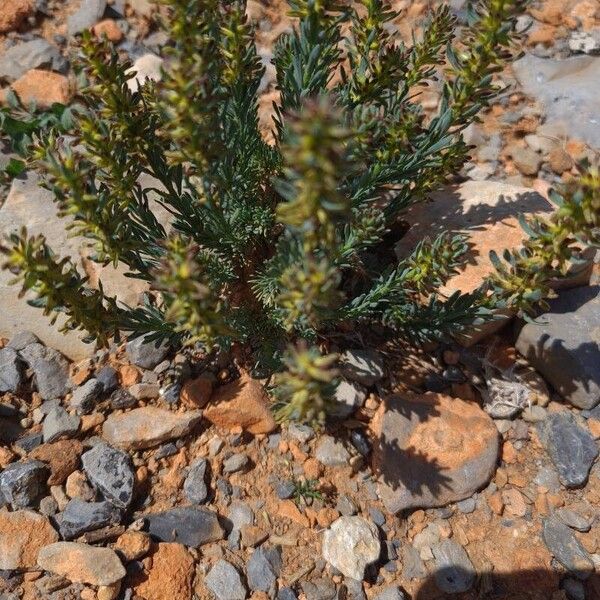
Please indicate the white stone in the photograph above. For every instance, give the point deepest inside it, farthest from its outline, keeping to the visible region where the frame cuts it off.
(145, 67)
(350, 544)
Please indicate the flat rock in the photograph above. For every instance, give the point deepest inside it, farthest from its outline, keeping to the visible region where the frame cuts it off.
(11, 371)
(22, 57)
(224, 581)
(188, 525)
(350, 545)
(348, 398)
(263, 569)
(24, 483)
(242, 403)
(571, 447)
(146, 354)
(170, 575)
(61, 457)
(110, 471)
(569, 91)
(79, 517)
(194, 486)
(362, 366)
(148, 426)
(331, 452)
(564, 345)
(13, 13)
(59, 423)
(454, 572)
(432, 450)
(50, 369)
(81, 563)
(22, 534)
(86, 16)
(566, 548)
(44, 88)
(84, 397)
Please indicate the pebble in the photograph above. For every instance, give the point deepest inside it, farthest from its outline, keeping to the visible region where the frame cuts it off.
(194, 486)
(121, 398)
(285, 489)
(235, 463)
(466, 506)
(574, 520)
(23, 484)
(82, 563)
(79, 517)
(263, 568)
(133, 545)
(188, 525)
(331, 452)
(146, 354)
(11, 372)
(59, 423)
(391, 593)
(86, 16)
(50, 369)
(348, 398)
(286, 593)
(566, 548)
(145, 391)
(111, 473)
(454, 573)
(362, 366)
(85, 396)
(240, 514)
(34, 54)
(350, 545)
(224, 581)
(109, 379)
(302, 433)
(571, 447)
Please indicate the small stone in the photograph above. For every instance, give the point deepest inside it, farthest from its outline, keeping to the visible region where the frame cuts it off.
(187, 525)
(146, 354)
(319, 589)
(133, 545)
(566, 548)
(286, 593)
(514, 502)
(348, 398)
(454, 571)
(85, 396)
(215, 446)
(50, 369)
(570, 446)
(145, 391)
(466, 506)
(331, 452)
(59, 423)
(109, 379)
(81, 563)
(86, 16)
(285, 489)
(108, 28)
(77, 486)
(121, 398)
(22, 534)
(235, 463)
(48, 507)
(574, 520)
(13, 13)
(574, 589)
(362, 366)
(79, 517)
(224, 581)
(196, 392)
(412, 564)
(170, 575)
(22, 339)
(302, 433)
(243, 404)
(24, 483)
(560, 161)
(534, 414)
(148, 66)
(240, 514)
(11, 372)
(20, 58)
(526, 160)
(263, 568)
(391, 593)
(350, 545)
(194, 486)
(44, 88)
(148, 426)
(61, 457)
(110, 472)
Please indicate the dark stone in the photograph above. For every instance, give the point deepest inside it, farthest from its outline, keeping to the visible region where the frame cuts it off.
(563, 345)
(30, 442)
(146, 354)
(79, 517)
(109, 379)
(11, 372)
(454, 572)
(59, 423)
(50, 369)
(194, 486)
(263, 569)
(23, 484)
(188, 525)
(121, 398)
(285, 489)
(84, 397)
(571, 447)
(566, 548)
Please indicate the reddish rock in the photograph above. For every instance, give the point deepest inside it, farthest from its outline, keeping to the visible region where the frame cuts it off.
(431, 450)
(133, 545)
(62, 457)
(514, 502)
(196, 392)
(243, 404)
(288, 510)
(42, 87)
(13, 13)
(108, 28)
(169, 576)
(22, 534)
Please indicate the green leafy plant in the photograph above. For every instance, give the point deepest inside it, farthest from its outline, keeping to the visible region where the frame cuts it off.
(273, 244)
(306, 491)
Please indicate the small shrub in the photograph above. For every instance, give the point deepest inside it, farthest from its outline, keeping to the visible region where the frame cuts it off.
(271, 244)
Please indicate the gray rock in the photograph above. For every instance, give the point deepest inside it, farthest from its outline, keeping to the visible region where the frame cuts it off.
(454, 571)
(194, 486)
(587, 42)
(331, 452)
(263, 568)
(354, 590)
(564, 345)
(146, 355)
(35, 54)
(11, 373)
(188, 525)
(286, 593)
(23, 484)
(362, 366)
(285, 489)
(391, 593)
(30, 441)
(121, 398)
(88, 14)
(50, 369)
(109, 379)
(85, 396)
(303, 433)
(569, 91)
(573, 520)
(345, 506)
(79, 517)
(111, 473)
(224, 581)
(348, 398)
(526, 160)
(48, 506)
(145, 391)
(412, 564)
(574, 589)
(466, 506)
(571, 448)
(59, 423)
(235, 463)
(319, 589)
(240, 514)
(548, 478)
(566, 548)
(21, 339)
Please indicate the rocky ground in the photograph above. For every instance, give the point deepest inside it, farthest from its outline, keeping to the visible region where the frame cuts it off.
(469, 471)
